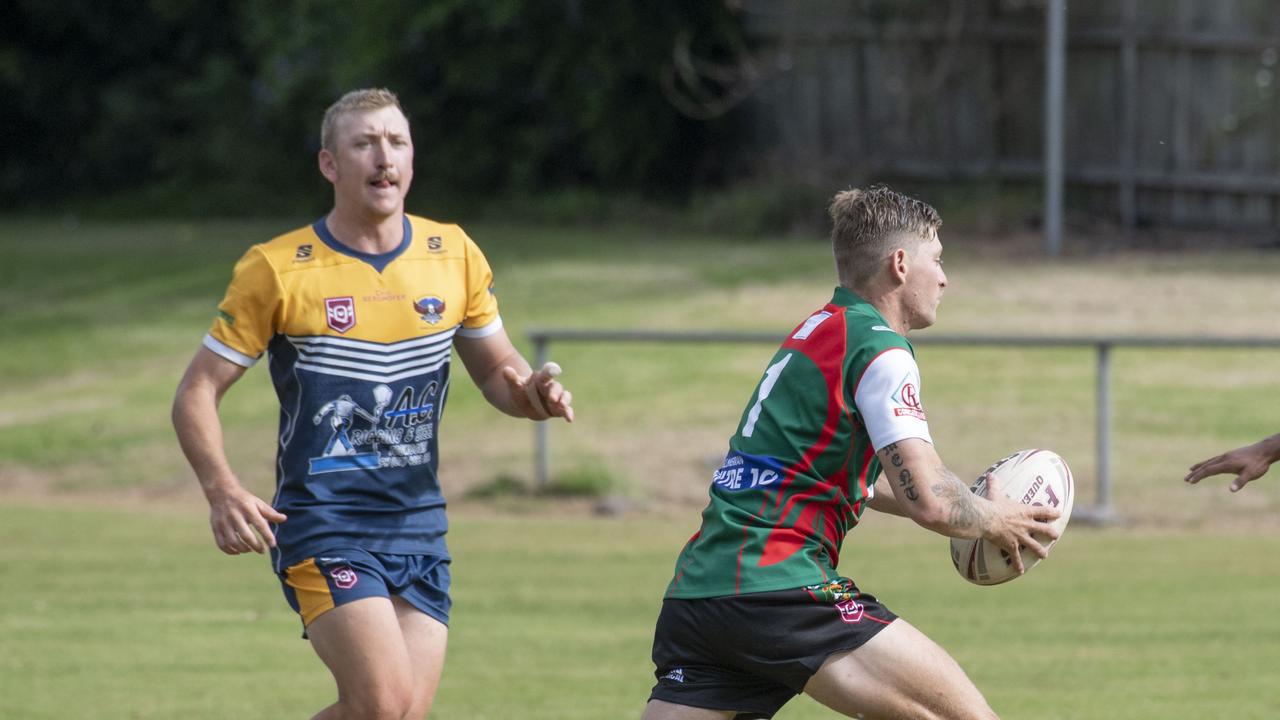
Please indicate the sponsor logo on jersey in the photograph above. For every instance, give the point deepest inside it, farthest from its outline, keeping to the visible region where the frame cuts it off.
(383, 296)
(398, 431)
(304, 253)
(430, 308)
(881, 328)
(344, 577)
(340, 313)
(435, 244)
(676, 675)
(743, 472)
(908, 399)
(227, 317)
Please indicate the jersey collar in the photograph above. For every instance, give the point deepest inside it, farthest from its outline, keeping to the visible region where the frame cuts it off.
(379, 261)
(845, 297)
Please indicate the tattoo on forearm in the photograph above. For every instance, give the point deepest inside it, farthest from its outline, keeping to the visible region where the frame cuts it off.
(963, 508)
(908, 485)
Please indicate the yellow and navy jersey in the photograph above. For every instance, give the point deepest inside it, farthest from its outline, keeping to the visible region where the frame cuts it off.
(359, 348)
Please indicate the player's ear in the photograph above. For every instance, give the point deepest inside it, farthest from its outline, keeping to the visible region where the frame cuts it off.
(328, 165)
(898, 263)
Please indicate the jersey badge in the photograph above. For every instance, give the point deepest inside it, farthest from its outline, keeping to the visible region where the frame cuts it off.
(340, 313)
(907, 396)
(303, 254)
(435, 244)
(430, 308)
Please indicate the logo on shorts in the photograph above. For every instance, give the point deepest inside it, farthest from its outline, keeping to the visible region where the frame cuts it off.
(344, 577)
(851, 611)
(676, 675)
(340, 313)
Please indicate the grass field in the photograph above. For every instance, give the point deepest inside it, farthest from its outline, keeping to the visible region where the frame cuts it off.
(115, 604)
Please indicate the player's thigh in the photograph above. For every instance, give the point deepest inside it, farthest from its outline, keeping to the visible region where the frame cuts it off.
(899, 673)
(662, 710)
(425, 639)
(362, 644)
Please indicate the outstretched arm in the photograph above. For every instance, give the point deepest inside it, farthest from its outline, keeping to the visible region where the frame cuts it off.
(507, 381)
(932, 496)
(1248, 463)
(239, 519)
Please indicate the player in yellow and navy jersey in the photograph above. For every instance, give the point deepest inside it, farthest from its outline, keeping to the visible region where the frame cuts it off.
(358, 314)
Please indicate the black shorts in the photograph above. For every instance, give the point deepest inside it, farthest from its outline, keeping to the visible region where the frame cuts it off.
(752, 653)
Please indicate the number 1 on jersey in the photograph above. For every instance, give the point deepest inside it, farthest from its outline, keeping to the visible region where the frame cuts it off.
(766, 385)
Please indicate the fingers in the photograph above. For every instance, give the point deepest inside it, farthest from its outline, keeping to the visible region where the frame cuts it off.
(243, 525)
(1206, 468)
(546, 397)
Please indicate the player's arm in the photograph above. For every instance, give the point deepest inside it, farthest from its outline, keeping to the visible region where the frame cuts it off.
(1248, 463)
(883, 500)
(507, 381)
(239, 519)
(935, 498)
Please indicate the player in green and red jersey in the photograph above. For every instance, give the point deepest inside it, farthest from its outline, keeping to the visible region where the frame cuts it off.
(756, 611)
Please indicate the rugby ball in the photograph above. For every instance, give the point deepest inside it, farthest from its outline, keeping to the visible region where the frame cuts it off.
(1032, 477)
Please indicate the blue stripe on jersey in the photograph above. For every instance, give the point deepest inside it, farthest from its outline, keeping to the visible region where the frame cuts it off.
(378, 261)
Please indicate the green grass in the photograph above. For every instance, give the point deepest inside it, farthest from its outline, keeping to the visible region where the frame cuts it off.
(118, 613)
(117, 606)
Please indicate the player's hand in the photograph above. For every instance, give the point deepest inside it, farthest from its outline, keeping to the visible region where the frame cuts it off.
(538, 395)
(1248, 463)
(1018, 526)
(240, 522)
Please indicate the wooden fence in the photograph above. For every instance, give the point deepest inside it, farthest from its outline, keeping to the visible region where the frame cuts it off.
(1172, 114)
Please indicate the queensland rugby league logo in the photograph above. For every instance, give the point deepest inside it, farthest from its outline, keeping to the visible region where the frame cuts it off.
(340, 313)
(430, 307)
(344, 577)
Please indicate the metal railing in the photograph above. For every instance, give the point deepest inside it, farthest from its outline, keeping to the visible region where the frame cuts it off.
(1101, 512)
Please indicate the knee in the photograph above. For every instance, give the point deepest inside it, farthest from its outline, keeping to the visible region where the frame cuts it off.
(384, 703)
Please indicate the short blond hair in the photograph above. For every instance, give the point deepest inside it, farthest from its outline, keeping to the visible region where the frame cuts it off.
(868, 225)
(362, 100)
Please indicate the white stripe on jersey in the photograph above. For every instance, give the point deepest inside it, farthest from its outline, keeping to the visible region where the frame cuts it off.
(483, 331)
(227, 352)
(374, 362)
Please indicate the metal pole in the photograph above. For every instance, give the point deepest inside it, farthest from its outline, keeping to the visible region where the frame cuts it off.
(1102, 507)
(1055, 68)
(541, 430)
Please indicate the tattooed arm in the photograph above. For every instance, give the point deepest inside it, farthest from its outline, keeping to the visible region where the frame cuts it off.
(935, 498)
(884, 500)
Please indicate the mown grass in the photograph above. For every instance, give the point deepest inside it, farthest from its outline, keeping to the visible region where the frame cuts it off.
(130, 613)
(115, 608)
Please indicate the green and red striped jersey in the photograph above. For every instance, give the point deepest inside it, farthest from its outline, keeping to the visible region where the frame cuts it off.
(802, 465)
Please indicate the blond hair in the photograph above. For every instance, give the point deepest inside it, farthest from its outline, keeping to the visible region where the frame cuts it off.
(362, 100)
(868, 225)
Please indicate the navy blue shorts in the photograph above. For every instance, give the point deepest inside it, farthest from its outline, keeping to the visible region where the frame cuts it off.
(336, 577)
(752, 653)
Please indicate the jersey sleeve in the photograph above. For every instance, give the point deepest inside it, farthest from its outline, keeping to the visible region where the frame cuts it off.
(888, 399)
(247, 315)
(482, 317)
